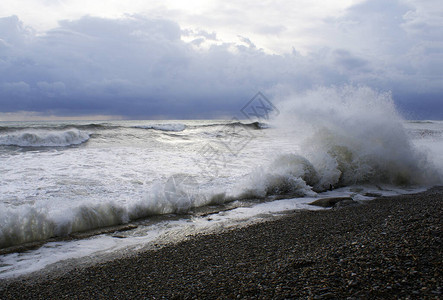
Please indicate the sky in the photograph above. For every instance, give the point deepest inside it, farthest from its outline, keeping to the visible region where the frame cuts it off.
(90, 59)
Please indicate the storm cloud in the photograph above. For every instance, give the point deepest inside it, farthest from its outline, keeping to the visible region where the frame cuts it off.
(141, 67)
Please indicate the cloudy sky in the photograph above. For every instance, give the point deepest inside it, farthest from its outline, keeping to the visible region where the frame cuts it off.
(206, 59)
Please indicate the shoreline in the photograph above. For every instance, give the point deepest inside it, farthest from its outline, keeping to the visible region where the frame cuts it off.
(387, 247)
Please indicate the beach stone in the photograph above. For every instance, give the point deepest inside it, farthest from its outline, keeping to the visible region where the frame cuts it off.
(330, 202)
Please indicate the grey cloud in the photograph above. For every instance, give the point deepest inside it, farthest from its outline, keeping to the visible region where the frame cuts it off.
(15, 88)
(53, 89)
(12, 31)
(401, 56)
(124, 66)
(140, 68)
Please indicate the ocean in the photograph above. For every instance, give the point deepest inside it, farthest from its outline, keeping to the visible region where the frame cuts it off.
(85, 190)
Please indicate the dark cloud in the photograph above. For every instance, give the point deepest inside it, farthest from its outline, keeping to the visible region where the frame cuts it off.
(416, 106)
(141, 68)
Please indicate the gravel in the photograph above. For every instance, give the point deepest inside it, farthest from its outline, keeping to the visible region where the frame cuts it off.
(387, 248)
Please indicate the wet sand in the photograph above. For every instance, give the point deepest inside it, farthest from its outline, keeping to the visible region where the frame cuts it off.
(386, 248)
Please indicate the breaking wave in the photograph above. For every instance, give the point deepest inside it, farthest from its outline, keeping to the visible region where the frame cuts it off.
(90, 126)
(348, 136)
(44, 138)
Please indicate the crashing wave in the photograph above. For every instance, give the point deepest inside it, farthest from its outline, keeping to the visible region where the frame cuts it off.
(347, 136)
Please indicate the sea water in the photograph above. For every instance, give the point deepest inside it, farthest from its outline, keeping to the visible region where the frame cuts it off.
(174, 178)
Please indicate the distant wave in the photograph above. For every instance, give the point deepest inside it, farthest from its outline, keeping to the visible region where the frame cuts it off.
(177, 127)
(44, 138)
(164, 127)
(91, 126)
(253, 125)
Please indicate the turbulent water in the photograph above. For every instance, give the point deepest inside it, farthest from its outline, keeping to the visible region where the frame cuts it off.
(59, 178)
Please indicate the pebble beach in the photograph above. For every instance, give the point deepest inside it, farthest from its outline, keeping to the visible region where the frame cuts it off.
(389, 247)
